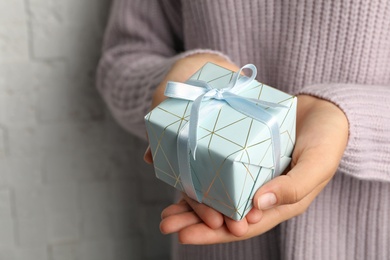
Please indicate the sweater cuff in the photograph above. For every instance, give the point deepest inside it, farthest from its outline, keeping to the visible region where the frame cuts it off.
(368, 114)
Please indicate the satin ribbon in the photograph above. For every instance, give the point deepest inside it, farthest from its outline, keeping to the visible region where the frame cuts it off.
(200, 91)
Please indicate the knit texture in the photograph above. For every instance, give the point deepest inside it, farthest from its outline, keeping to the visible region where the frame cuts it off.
(335, 50)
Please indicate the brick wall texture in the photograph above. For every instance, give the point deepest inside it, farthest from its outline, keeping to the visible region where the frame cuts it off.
(72, 184)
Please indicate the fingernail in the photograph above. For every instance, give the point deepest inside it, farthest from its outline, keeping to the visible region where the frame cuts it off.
(147, 156)
(266, 201)
(147, 150)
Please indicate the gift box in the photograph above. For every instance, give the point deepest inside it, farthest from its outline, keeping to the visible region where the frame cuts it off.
(239, 136)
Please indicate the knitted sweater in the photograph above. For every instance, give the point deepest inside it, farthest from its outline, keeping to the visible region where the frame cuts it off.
(335, 50)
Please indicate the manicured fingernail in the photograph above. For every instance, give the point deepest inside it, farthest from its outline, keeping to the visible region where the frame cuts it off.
(266, 201)
(147, 150)
(147, 156)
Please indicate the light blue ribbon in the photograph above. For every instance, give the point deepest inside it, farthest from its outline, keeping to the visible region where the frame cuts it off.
(199, 91)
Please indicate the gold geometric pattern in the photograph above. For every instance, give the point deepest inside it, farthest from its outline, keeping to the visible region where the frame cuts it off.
(234, 154)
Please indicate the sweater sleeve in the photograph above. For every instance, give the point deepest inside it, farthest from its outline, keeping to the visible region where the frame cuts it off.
(367, 108)
(139, 47)
(143, 39)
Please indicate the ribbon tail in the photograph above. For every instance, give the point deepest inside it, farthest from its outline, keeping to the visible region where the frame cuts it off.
(193, 125)
(184, 164)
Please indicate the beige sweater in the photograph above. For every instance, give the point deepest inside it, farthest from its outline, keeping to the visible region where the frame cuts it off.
(336, 50)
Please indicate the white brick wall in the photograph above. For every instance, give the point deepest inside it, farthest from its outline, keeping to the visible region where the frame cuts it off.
(73, 186)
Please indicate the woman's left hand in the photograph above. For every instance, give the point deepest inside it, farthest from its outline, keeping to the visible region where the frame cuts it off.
(322, 134)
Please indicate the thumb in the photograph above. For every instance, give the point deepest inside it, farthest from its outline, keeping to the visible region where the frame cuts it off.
(291, 188)
(281, 190)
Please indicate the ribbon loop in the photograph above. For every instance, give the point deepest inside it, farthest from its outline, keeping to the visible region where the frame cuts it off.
(199, 91)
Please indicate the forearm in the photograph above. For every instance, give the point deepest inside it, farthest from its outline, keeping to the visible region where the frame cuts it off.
(127, 88)
(367, 108)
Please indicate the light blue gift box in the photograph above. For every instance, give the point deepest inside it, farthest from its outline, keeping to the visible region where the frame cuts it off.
(234, 155)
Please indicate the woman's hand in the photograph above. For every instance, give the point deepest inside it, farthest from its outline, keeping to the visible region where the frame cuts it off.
(322, 134)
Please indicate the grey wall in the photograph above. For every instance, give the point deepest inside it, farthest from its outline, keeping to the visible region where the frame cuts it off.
(72, 184)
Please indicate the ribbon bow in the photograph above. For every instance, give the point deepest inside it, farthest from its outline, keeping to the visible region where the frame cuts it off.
(200, 91)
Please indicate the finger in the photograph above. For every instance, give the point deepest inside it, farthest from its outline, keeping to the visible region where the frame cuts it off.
(148, 158)
(295, 185)
(210, 216)
(177, 222)
(237, 228)
(201, 234)
(177, 208)
(254, 216)
(288, 211)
